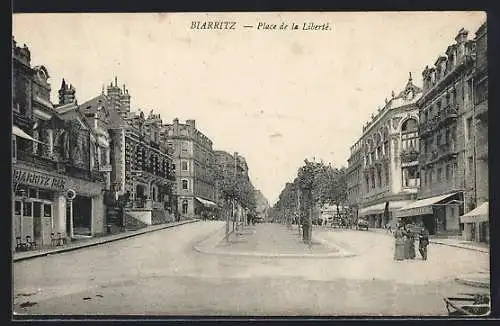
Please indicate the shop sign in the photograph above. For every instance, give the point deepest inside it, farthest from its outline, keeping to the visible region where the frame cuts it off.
(37, 179)
(413, 211)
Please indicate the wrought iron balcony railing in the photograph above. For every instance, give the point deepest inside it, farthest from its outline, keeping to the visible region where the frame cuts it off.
(408, 156)
(37, 160)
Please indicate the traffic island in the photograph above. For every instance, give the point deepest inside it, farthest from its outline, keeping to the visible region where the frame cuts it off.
(268, 240)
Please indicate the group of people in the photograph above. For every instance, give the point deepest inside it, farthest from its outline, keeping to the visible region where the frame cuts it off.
(405, 242)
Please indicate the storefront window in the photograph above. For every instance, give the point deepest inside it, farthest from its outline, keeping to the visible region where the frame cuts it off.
(27, 209)
(47, 210)
(17, 207)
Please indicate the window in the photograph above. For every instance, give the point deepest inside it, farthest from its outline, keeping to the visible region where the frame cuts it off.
(184, 165)
(17, 207)
(469, 129)
(47, 210)
(185, 184)
(471, 164)
(439, 172)
(448, 172)
(27, 209)
(430, 176)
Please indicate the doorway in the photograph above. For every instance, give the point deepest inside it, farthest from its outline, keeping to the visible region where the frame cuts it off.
(82, 215)
(429, 223)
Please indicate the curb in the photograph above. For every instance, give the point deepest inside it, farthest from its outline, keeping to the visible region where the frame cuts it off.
(484, 251)
(199, 248)
(85, 245)
(473, 283)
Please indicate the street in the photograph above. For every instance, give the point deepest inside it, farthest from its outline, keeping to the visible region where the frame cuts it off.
(159, 273)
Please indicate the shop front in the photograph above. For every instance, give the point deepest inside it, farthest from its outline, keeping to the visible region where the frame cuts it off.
(376, 214)
(438, 214)
(47, 204)
(38, 204)
(476, 224)
(205, 209)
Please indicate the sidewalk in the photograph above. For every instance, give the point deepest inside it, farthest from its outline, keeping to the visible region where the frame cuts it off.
(452, 242)
(267, 240)
(18, 256)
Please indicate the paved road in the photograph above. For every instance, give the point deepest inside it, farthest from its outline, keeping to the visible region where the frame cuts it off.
(159, 274)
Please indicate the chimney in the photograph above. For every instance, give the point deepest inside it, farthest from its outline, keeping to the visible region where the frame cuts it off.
(191, 123)
(461, 36)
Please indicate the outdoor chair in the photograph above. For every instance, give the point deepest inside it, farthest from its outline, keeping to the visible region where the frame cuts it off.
(60, 239)
(53, 240)
(31, 244)
(20, 245)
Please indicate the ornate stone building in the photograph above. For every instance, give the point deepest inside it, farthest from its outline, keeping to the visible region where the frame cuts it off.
(193, 157)
(446, 141)
(137, 163)
(51, 158)
(383, 166)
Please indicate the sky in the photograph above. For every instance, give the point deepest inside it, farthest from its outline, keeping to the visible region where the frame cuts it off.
(276, 97)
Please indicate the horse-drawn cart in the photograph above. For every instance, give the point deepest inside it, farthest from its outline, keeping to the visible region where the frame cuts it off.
(468, 304)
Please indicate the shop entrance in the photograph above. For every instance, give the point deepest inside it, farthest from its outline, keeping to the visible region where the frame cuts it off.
(429, 223)
(82, 215)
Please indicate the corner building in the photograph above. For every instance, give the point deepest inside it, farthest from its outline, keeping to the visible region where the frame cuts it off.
(193, 158)
(382, 173)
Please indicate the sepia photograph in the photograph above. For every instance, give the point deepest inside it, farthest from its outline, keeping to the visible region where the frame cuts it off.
(244, 164)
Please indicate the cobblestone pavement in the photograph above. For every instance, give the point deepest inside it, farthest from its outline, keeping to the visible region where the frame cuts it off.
(159, 273)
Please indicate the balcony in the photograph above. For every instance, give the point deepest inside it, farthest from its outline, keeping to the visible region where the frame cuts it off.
(426, 128)
(446, 151)
(83, 173)
(37, 160)
(447, 115)
(409, 156)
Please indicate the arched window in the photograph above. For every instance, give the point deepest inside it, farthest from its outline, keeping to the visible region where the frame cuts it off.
(409, 125)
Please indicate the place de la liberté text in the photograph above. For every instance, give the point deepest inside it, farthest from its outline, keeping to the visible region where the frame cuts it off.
(232, 25)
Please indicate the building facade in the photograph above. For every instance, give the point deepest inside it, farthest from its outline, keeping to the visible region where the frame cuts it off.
(382, 170)
(476, 223)
(446, 142)
(56, 190)
(193, 158)
(136, 163)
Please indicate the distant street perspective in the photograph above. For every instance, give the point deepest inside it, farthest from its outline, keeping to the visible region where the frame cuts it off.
(159, 172)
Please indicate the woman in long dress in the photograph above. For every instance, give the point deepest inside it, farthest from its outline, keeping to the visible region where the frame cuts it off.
(398, 244)
(406, 245)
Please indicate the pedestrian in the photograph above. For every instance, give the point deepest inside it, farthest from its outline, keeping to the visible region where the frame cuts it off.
(423, 242)
(398, 244)
(411, 243)
(406, 238)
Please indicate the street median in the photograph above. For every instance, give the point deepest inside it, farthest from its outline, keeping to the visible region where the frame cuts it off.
(271, 241)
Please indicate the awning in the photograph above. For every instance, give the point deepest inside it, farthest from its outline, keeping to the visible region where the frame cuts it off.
(379, 208)
(206, 203)
(421, 207)
(478, 214)
(16, 131)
